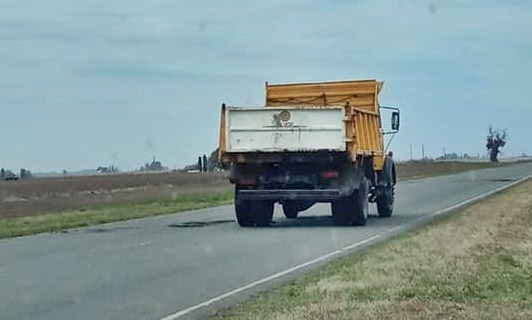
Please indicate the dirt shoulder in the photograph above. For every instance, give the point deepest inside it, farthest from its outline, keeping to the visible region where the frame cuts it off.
(475, 264)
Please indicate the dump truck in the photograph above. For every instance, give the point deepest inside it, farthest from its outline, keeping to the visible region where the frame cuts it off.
(310, 143)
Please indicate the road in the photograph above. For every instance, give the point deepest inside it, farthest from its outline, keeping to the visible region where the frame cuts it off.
(168, 266)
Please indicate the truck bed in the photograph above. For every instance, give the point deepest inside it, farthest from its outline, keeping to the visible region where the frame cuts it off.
(362, 94)
(341, 116)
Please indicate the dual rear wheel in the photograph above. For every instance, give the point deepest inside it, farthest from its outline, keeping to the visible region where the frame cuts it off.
(385, 202)
(346, 211)
(251, 213)
(352, 209)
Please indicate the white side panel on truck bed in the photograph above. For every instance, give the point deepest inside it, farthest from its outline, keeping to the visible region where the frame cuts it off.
(278, 129)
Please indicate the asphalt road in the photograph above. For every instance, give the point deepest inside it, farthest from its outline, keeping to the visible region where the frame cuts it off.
(168, 266)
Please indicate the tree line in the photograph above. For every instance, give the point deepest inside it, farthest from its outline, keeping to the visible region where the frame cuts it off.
(6, 174)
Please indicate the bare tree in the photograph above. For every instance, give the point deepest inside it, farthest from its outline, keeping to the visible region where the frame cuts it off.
(495, 140)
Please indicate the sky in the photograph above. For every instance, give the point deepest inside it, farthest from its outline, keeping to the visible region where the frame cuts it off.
(93, 83)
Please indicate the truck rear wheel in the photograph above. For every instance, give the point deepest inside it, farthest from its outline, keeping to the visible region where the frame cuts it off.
(387, 178)
(253, 212)
(263, 212)
(243, 210)
(340, 211)
(360, 204)
(353, 209)
(290, 210)
(385, 203)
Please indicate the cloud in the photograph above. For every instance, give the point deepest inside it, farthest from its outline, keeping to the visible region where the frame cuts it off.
(446, 60)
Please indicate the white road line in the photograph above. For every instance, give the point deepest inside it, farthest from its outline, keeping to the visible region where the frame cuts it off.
(329, 255)
(358, 244)
(140, 244)
(392, 230)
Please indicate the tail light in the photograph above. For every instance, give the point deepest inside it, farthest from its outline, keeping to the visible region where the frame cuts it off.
(247, 181)
(329, 175)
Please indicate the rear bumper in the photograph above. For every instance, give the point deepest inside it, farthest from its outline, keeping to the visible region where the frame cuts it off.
(311, 195)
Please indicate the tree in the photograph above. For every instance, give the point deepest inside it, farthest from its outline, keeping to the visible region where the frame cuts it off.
(213, 161)
(495, 140)
(153, 166)
(111, 169)
(205, 166)
(3, 173)
(24, 173)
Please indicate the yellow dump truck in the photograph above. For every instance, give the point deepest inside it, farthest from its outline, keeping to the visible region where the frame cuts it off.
(310, 143)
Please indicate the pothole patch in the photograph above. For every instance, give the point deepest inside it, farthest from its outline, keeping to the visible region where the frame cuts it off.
(103, 230)
(198, 224)
(503, 180)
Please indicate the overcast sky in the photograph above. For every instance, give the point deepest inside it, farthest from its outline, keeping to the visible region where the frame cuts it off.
(88, 83)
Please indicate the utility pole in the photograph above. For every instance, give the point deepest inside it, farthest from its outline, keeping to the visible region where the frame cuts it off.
(423, 151)
(411, 152)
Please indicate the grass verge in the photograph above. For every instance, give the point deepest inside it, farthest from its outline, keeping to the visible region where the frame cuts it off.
(423, 169)
(475, 264)
(97, 215)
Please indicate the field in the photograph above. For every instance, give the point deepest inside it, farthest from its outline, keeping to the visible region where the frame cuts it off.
(473, 264)
(45, 195)
(51, 204)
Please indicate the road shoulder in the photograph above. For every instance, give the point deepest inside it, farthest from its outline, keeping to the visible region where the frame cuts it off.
(474, 264)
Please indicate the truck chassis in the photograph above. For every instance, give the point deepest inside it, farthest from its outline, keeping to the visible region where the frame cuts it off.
(298, 185)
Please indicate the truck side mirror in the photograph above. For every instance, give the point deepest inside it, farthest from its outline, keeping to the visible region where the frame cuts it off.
(395, 121)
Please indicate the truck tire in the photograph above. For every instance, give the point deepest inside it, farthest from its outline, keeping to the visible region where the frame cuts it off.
(360, 204)
(387, 179)
(385, 203)
(262, 212)
(353, 209)
(340, 211)
(290, 210)
(244, 211)
(253, 212)
(244, 215)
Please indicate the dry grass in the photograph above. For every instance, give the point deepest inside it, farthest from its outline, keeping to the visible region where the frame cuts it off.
(53, 195)
(474, 265)
(422, 169)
